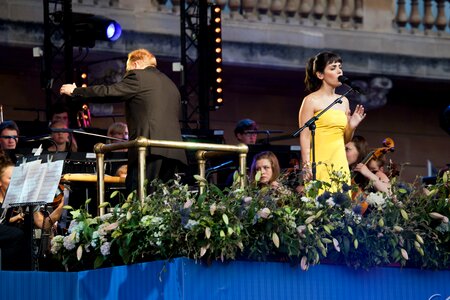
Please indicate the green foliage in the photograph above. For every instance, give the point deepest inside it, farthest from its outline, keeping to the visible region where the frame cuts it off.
(409, 227)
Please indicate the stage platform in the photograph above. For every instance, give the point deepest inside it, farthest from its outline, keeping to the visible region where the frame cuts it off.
(185, 279)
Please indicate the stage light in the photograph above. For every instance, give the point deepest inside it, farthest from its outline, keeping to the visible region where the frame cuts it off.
(215, 42)
(81, 76)
(88, 28)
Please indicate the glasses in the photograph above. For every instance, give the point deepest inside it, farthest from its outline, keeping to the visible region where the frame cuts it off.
(14, 137)
(250, 133)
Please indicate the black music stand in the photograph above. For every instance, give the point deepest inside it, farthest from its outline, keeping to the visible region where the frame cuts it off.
(27, 183)
(311, 124)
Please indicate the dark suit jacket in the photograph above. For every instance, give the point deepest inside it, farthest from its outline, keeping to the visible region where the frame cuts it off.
(152, 107)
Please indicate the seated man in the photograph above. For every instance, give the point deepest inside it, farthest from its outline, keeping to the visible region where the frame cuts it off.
(244, 131)
(9, 135)
(9, 138)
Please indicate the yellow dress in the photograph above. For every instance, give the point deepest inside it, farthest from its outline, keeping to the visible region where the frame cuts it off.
(330, 145)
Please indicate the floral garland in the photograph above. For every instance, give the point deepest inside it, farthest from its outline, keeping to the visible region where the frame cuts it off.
(409, 227)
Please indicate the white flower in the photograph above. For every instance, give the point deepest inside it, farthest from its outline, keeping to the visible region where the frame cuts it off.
(330, 202)
(57, 243)
(376, 199)
(104, 249)
(264, 213)
(190, 224)
(247, 200)
(306, 199)
(106, 217)
(70, 241)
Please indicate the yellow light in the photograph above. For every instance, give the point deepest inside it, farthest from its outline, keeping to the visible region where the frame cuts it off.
(218, 40)
(219, 100)
(217, 20)
(84, 85)
(83, 75)
(218, 50)
(218, 60)
(219, 80)
(217, 30)
(217, 9)
(219, 90)
(219, 70)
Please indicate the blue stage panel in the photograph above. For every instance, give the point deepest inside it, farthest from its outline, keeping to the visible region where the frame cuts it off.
(252, 280)
(186, 279)
(38, 285)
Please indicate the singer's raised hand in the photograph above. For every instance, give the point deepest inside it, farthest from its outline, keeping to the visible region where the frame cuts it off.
(67, 89)
(357, 116)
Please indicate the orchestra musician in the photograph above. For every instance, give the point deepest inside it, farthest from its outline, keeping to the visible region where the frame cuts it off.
(18, 218)
(370, 174)
(119, 130)
(60, 113)
(62, 140)
(244, 131)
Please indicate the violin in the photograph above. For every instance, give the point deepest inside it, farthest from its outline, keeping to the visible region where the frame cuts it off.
(388, 146)
(59, 195)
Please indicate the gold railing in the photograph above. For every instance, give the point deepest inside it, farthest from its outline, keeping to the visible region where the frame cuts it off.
(205, 151)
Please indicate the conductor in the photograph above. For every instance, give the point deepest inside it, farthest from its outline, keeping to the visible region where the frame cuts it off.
(152, 110)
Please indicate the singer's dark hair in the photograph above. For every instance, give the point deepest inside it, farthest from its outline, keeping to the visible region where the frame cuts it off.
(317, 64)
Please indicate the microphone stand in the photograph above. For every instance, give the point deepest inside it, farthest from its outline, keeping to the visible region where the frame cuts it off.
(311, 124)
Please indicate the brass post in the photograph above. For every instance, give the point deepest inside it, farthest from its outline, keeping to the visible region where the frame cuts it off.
(142, 151)
(201, 169)
(100, 179)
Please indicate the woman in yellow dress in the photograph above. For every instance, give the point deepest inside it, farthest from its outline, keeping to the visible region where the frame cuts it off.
(335, 127)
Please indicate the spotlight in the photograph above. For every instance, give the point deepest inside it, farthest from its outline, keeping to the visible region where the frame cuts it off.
(87, 28)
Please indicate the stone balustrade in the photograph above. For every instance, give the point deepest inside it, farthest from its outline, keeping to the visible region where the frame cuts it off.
(408, 16)
(425, 16)
(281, 33)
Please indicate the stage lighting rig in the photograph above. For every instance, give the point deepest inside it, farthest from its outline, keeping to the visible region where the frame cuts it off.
(216, 53)
(88, 28)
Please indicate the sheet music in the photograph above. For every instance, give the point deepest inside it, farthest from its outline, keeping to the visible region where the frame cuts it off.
(15, 186)
(35, 173)
(33, 183)
(52, 178)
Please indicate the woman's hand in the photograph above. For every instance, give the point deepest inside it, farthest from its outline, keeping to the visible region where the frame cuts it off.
(357, 116)
(307, 172)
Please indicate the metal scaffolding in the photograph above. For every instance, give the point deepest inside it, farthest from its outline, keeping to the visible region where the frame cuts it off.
(58, 54)
(194, 87)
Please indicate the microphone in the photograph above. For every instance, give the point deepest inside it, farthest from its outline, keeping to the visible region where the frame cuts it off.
(38, 138)
(344, 80)
(219, 166)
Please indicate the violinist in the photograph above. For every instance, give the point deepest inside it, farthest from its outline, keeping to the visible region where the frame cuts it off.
(6, 168)
(19, 217)
(368, 172)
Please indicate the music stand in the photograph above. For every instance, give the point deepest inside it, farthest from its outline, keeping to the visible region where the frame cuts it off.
(28, 188)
